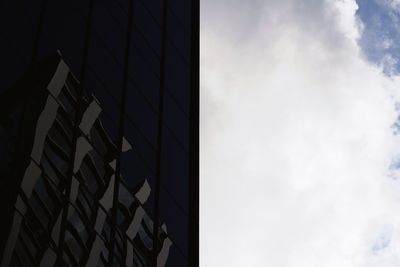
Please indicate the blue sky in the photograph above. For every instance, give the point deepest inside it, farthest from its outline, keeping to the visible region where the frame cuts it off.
(380, 38)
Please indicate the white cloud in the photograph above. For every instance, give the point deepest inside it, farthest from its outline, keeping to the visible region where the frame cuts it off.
(296, 139)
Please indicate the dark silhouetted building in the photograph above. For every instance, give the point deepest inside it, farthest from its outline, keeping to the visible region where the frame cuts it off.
(37, 221)
(98, 133)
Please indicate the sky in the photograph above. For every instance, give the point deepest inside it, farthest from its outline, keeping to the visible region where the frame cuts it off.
(381, 33)
(299, 133)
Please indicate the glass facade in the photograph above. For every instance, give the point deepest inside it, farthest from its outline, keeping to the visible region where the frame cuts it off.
(96, 138)
(38, 224)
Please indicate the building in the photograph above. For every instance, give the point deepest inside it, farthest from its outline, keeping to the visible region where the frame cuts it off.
(36, 228)
(120, 59)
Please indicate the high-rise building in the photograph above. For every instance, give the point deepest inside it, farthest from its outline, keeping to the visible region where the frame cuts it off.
(98, 133)
(43, 195)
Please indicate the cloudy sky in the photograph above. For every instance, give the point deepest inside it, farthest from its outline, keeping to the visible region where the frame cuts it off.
(300, 143)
